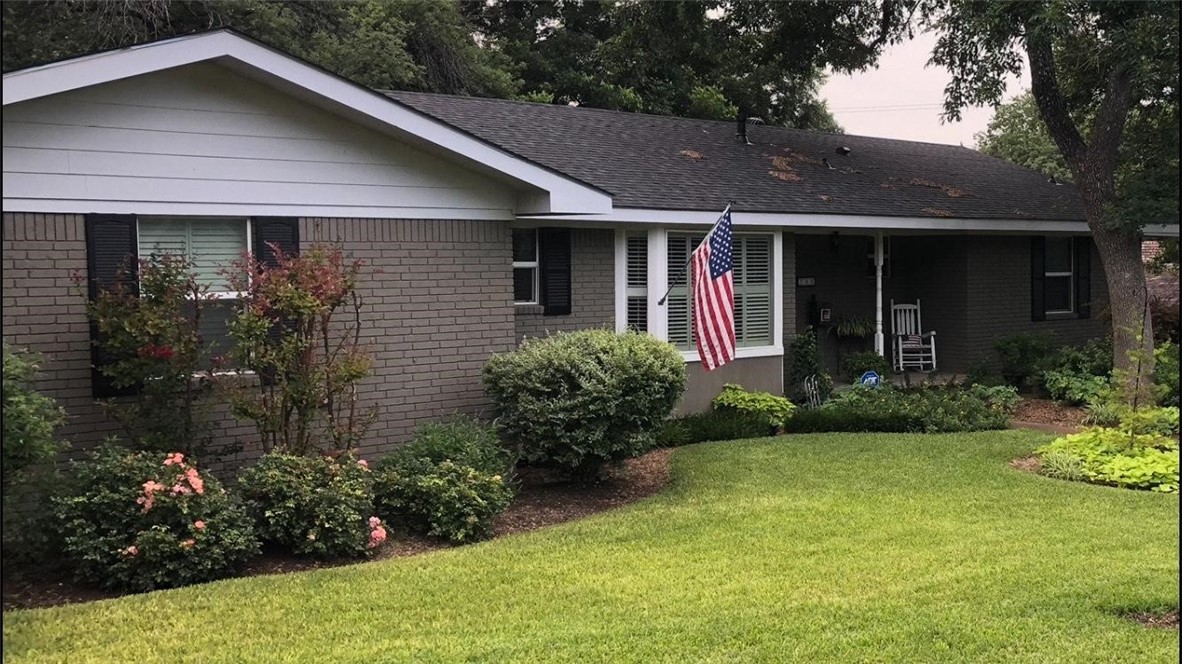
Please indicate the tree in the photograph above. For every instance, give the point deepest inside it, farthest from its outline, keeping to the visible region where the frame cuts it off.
(1017, 134)
(1105, 80)
(404, 44)
(701, 59)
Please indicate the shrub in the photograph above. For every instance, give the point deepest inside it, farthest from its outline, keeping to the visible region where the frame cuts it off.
(980, 373)
(298, 327)
(463, 440)
(931, 409)
(1165, 372)
(1119, 458)
(150, 329)
(30, 417)
(581, 399)
(805, 353)
(1149, 421)
(1078, 374)
(1019, 355)
(775, 410)
(853, 365)
(1074, 388)
(725, 424)
(445, 499)
(1062, 465)
(145, 520)
(312, 506)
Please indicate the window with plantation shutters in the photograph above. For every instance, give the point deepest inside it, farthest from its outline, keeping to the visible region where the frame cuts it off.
(636, 256)
(753, 278)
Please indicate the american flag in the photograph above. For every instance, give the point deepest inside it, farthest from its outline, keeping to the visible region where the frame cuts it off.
(714, 295)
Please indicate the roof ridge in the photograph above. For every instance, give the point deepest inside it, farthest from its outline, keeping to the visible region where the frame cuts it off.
(522, 102)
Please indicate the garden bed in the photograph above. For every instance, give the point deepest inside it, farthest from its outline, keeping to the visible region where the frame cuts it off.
(1049, 415)
(541, 501)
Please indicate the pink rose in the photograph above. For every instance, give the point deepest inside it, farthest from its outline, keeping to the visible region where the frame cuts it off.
(188, 544)
(376, 537)
(176, 458)
(199, 525)
(131, 550)
(363, 463)
(374, 522)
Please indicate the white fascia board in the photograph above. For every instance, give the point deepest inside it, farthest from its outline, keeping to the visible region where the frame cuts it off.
(566, 195)
(62, 206)
(837, 221)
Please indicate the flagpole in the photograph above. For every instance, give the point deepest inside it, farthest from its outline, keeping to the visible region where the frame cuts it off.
(661, 302)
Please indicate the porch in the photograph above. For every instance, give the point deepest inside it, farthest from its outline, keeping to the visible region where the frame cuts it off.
(837, 292)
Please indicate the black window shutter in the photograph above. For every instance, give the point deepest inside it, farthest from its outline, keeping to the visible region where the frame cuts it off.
(110, 249)
(1083, 276)
(554, 254)
(269, 233)
(281, 232)
(1038, 278)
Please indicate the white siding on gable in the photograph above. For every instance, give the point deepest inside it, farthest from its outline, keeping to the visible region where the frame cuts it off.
(203, 140)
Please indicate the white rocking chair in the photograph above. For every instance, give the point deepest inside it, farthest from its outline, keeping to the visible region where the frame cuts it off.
(911, 347)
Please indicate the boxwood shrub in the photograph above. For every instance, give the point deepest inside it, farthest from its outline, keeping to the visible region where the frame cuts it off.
(579, 400)
(724, 424)
(929, 409)
(444, 499)
(146, 520)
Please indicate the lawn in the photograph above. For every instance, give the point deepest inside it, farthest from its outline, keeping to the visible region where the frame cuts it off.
(827, 547)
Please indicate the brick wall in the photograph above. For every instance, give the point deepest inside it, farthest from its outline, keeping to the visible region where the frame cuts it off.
(592, 289)
(438, 302)
(999, 297)
(44, 312)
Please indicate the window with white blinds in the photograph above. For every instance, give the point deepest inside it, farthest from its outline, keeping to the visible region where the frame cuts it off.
(210, 245)
(636, 285)
(753, 290)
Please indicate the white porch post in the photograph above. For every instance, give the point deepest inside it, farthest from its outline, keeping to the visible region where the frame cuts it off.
(879, 339)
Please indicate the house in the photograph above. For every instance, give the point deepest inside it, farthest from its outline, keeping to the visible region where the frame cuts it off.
(495, 220)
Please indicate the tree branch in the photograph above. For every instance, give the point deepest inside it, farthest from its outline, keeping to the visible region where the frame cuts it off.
(1111, 117)
(1051, 104)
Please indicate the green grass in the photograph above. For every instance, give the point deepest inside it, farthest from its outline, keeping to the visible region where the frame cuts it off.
(881, 548)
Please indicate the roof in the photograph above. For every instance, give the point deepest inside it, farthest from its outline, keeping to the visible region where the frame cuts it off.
(657, 162)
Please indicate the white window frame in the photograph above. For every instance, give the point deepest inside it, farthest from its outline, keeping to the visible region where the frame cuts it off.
(534, 265)
(658, 283)
(1070, 274)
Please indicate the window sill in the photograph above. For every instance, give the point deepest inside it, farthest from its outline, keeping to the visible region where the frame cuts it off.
(528, 309)
(741, 353)
(1061, 315)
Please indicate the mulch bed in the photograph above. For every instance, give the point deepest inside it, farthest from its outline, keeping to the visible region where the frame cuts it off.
(1047, 415)
(542, 500)
(1167, 620)
(1030, 464)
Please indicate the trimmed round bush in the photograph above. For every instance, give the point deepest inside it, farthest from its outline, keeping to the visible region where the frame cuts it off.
(464, 440)
(853, 365)
(579, 400)
(146, 520)
(312, 505)
(444, 499)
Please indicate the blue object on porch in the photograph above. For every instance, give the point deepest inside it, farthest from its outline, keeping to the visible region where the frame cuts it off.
(870, 379)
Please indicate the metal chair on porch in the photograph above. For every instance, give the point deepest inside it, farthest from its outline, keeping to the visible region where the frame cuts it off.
(911, 347)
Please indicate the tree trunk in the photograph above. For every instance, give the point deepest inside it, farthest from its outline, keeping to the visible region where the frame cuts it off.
(1128, 301)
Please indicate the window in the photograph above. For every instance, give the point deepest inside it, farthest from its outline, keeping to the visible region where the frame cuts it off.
(210, 245)
(753, 274)
(636, 256)
(525, 266)
(1059, 273)
(871, 269)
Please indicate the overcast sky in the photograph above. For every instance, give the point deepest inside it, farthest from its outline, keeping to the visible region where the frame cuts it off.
(903, 98)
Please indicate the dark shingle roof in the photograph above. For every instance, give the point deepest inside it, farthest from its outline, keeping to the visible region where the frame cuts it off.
(649, 161)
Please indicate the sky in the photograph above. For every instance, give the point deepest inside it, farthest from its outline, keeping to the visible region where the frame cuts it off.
(903, 98)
